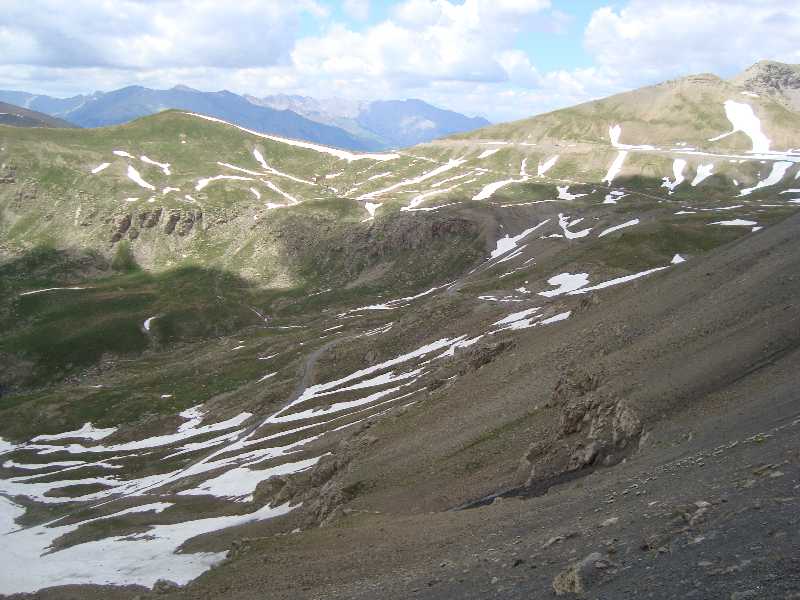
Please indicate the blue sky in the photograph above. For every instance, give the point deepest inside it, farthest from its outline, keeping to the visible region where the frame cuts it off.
(503, 59)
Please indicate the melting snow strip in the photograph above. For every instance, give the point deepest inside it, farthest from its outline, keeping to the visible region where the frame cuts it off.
(203, 183)
(776, 174)
(342, 154)
(99, 168)
(616, 166)
(703, 173)
(163, 166)
(617, 281)
(508, 243)
(618, 227)
(745, 120)
(565, 223)
(134, 176)
(451, 164)
(566, 283)
(53, 289)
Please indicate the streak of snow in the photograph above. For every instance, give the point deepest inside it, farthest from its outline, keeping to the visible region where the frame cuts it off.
(342, 154)
(419, 199)
(488, 153)
(776, 174)
(292, 200)
(566, 282)
(617, 227)
(87, 432)
(745, 120)
(617, 281)
(508, 243)
(703, 173)
(203, 183)
(451, 164)
(735, 223)
(563, 193)
(449, 179)
(517, 316)
(546, 165)
(134, 176)
(260, 158)
(678, 165)
(616, 166)
(152, 442)
(32, 292)
(489, 189)
(99, 168)
(163, 166)
(565, 223)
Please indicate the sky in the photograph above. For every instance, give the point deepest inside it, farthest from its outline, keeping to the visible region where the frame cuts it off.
(501, 59)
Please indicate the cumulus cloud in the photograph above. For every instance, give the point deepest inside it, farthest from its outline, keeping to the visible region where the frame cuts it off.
(139, 34)
(426, 41)
(648, 41)
(469, 55)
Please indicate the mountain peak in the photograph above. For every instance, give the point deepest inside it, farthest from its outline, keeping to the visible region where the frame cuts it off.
(183, 88)
(777, 80)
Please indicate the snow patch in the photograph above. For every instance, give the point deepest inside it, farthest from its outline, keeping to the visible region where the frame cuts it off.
(342, 154)
(703, 173)
(163, 166)
(616, 166)
(743, 119)
(678, 165)
(566, 282)
(134, 176)
(776, 174)
(630, 223)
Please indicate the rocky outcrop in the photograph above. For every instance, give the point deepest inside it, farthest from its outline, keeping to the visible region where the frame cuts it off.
(594, 428)
(482, 354)
(121, 226)
(8, 174)
(779, 81)
(179, 222)
(580, 576)
(324, 490)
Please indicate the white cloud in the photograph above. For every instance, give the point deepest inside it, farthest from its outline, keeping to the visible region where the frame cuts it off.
(648, 41)
(357, 9)
(462, 54)
(426, 41)
(133, 34)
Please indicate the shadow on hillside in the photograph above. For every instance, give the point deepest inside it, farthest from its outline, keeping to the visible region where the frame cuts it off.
(53, 335)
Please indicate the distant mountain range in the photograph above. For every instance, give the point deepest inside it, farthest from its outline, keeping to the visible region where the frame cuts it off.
(390, 123)
(333, 122)
(10, 114)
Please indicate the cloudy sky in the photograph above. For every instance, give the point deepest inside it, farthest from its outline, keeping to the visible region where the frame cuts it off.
(503, 59)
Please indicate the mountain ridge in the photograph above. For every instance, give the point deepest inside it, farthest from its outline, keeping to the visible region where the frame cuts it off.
(292, 116)
(11, 114)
